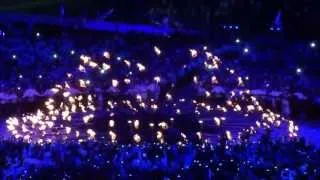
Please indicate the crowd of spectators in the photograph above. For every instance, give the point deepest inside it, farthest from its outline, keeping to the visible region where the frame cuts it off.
(265, 158)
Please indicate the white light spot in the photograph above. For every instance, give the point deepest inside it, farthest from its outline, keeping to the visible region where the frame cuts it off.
(299, 70)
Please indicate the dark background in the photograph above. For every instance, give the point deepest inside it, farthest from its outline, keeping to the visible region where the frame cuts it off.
(299, 17)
